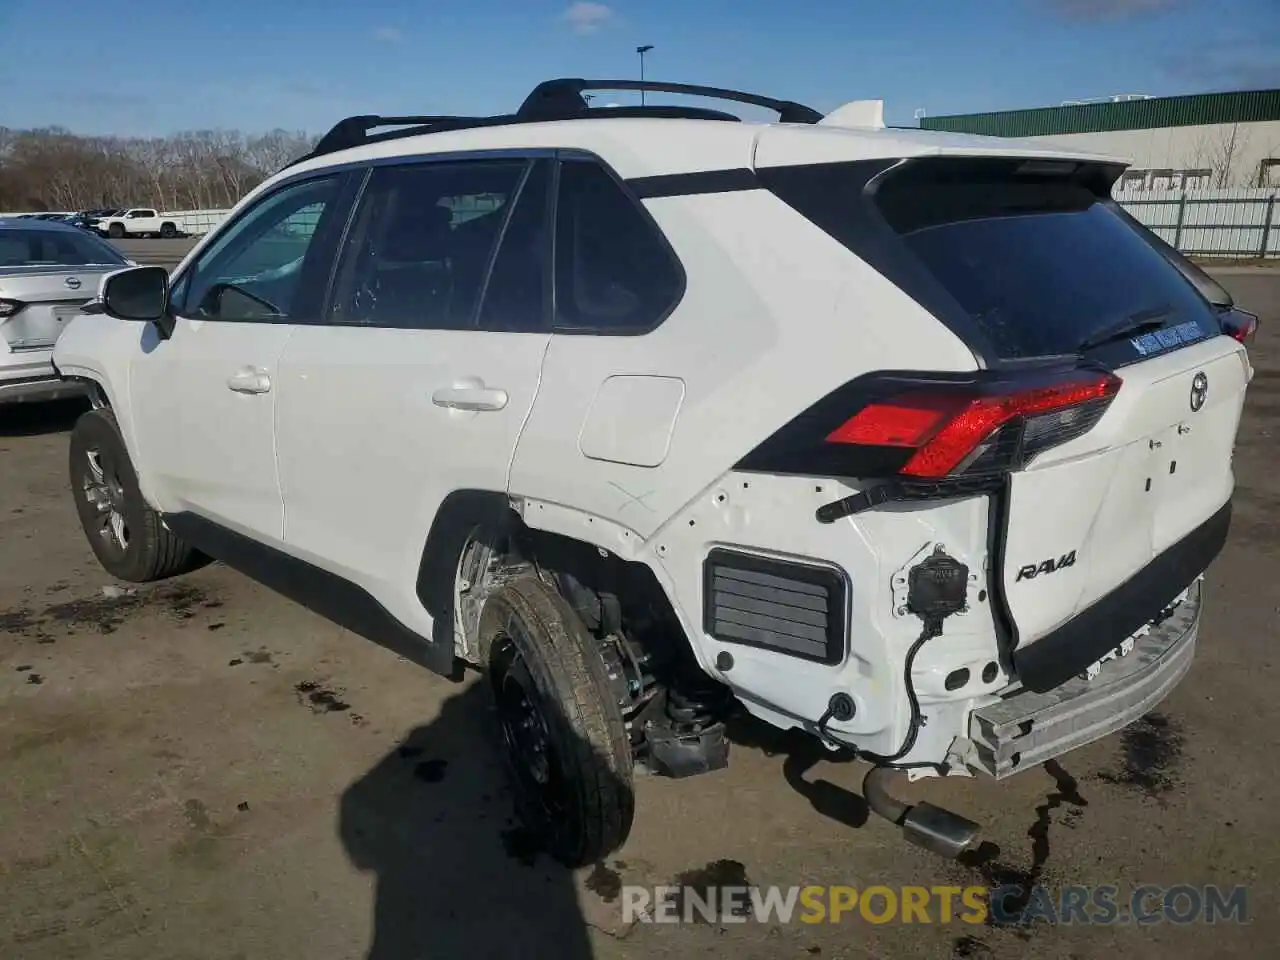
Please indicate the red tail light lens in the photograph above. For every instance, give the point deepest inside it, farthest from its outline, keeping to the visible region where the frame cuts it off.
(951, 432)
(1240, 325)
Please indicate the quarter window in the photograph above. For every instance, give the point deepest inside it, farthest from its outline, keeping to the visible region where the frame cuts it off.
(421, 244)
(255, 269)
(614, 271)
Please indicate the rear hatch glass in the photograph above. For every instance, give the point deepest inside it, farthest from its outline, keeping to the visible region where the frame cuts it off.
(1031, 254)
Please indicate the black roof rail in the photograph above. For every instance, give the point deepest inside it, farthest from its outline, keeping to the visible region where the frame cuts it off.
(552, 99)
(354, 131)
(556, 100)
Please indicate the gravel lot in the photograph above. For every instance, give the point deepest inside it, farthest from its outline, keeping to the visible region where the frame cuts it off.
(203, 769)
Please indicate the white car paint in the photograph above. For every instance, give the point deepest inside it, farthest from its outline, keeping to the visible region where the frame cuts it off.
(137, 222)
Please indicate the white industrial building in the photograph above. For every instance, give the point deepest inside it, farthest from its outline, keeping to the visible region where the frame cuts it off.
(1209, 140)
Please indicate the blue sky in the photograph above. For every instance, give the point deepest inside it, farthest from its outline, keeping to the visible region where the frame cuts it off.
(143, 67)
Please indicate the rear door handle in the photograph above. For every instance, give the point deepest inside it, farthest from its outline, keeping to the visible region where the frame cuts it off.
(250, 380)
(470, 395)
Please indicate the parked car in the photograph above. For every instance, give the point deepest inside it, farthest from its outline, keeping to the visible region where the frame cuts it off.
(138, 222)
(48, 270)
(906, 439)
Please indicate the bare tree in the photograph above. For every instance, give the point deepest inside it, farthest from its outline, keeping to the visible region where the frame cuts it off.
(54, 169)
(1220, 152)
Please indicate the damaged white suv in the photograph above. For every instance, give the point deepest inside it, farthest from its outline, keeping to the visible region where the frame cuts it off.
(911, 440)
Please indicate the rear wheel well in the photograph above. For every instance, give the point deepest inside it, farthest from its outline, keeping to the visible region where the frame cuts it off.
(478, 542)
(674, 712)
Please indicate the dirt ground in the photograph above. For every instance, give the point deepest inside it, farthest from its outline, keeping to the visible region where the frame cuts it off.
(203, 769)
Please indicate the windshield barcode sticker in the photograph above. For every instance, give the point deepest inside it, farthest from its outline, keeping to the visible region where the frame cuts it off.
(1168, 338)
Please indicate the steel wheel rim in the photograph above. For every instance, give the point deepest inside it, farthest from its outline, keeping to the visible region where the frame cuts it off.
(529, 748)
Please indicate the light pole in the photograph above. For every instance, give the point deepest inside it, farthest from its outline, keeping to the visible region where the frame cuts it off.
(642, 51)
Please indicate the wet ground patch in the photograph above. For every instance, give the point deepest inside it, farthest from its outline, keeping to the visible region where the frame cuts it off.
(1016, 886)
(104, 612)
(1150, 756)
(700, 893)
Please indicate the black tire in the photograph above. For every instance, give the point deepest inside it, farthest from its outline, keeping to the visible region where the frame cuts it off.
(104, 485)
(575, 791)
(168, 230)
(115, 231)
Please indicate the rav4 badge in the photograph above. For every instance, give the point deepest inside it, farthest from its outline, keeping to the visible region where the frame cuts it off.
(1033, 570)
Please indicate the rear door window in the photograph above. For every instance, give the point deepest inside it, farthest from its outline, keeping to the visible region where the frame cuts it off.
(517, 293)
(421, 243)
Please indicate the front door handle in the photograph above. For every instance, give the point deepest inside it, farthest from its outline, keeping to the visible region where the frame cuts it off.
(470, 395)
(250, 380)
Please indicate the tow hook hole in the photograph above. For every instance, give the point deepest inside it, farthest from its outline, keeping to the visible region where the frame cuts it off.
(693, 522)
(1025, 727)
(720, 498)
(989, 672)
(817, 489)
(982, 596)
(746, 485)
(957, 679)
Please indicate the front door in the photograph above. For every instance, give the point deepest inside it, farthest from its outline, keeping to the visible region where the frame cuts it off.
(204, 400)
(420, 380)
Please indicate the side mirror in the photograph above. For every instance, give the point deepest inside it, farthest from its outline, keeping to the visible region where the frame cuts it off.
(136, 293)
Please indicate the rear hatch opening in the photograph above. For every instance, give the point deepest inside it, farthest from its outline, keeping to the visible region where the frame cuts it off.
(1103, 422)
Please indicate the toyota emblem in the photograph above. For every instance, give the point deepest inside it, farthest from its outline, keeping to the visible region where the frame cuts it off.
(72, 282)
(1199, 391)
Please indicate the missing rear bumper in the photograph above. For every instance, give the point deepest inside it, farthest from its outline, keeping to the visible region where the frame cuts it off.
(1027, 728)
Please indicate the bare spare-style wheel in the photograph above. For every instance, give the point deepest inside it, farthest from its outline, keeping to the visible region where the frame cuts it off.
(563, 735)
(126, 535)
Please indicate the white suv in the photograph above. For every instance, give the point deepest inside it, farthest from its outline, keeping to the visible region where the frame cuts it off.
(910, 440)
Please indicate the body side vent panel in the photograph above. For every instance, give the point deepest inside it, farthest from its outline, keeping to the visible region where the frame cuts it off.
(790, 607)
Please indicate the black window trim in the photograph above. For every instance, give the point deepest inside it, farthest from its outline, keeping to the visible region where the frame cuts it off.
(355, 176)
(361, 169)
(344, 197)
(579, 155)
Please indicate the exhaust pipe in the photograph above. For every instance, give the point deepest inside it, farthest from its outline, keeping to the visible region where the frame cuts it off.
(940, 831)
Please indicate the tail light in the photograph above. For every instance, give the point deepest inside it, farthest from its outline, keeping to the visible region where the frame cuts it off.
(9, 307)
(954, 433)
(1239, 325)
(923, 429)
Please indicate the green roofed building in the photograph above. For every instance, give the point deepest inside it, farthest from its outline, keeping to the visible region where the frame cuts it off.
(1198, 141)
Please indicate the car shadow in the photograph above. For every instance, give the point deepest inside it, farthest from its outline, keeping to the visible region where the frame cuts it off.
(37, 419)
(801, 753)
(456, 875)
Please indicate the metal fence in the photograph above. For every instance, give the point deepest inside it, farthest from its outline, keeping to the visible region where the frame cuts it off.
(1238, 223)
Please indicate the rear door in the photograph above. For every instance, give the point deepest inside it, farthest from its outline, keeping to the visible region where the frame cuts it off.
(421, 377)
